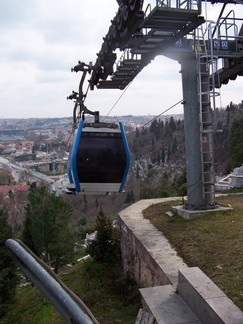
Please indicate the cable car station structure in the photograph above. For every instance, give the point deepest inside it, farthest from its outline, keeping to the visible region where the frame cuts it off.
(176, 29)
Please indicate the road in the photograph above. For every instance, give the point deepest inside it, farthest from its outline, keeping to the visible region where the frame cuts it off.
(57, 186)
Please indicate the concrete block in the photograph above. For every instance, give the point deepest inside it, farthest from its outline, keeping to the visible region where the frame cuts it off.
(191, 214)
(167, 306)
(205, 299)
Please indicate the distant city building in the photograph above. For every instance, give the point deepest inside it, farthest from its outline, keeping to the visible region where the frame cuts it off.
(49, 167)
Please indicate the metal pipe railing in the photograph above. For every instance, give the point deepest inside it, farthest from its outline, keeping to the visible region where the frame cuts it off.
(72, 309)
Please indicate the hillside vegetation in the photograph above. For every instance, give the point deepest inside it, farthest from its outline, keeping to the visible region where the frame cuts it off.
(99, 282)
(110, 296)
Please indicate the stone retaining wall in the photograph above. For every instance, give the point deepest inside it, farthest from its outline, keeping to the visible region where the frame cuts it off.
(147, 255)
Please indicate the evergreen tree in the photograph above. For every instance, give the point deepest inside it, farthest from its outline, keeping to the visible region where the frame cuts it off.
(132, 196)
(155, 129)
(33, 186)
(129, 197)
(144, 130)
(174, 145)
(232, 107)
(47, 228)
(8, 275)
(153, 158)
(137, 132)
(172, 124)
(106, 247)
(179, 125)
(152, 141)
(137, 172)
(235, 141)
(168, 153)
(167, 131)
(163, 154)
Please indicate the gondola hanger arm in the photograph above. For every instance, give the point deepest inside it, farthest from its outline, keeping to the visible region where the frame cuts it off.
(85, 68)
(80, 96)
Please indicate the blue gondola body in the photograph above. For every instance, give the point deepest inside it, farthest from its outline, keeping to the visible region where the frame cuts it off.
(99, 159)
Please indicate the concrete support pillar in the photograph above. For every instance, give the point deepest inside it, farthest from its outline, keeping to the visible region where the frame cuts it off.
(195, 199)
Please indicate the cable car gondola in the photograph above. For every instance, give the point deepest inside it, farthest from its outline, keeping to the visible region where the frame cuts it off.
(99, 158)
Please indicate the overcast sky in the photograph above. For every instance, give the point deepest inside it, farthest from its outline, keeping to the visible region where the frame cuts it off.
(40, 40)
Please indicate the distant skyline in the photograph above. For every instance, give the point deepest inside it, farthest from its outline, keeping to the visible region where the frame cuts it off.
(41, 40)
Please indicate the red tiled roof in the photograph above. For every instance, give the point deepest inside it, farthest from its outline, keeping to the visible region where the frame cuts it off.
(21, 187)
(4, 189)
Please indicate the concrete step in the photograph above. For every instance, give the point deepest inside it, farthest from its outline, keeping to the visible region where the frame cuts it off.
(205, 298)
(167, 306)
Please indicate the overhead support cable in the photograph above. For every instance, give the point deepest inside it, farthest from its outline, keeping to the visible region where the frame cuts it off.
(162, 113)
(119, 98)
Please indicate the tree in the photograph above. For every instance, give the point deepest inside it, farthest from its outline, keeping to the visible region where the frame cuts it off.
(172, 124)
(16, 211)
(163, 154)
(47, 228)
(235, 141)
(155, 128)
(129, 197)
(232, 107)
(168, 153)
(33, 186)
(8, 277)
(6, 177)
(174, 145)
(106, 247)
(137, 171)
(137, 132)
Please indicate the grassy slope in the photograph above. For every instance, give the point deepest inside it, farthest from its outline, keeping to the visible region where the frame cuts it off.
(214, 242)
(110, 297)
